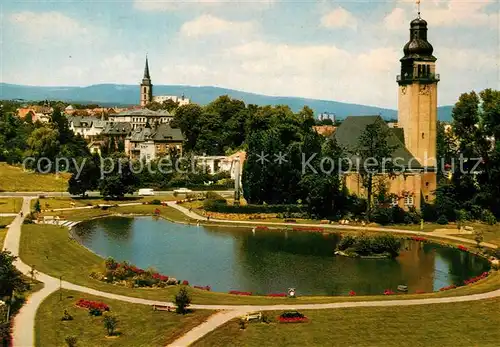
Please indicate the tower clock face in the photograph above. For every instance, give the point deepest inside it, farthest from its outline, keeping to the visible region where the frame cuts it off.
(403, 90)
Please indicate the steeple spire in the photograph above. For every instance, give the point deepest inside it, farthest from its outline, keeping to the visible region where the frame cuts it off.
(146, 70)
(418, 8)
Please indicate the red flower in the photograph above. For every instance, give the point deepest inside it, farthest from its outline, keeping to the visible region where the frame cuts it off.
(237, 292)
(352, 293)
(185, 283)
(92, 305)
(388, 292)
(462, 248)
(292, 320)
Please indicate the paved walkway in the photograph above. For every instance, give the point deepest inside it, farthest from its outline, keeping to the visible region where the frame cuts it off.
(24, 321)
(8, 214)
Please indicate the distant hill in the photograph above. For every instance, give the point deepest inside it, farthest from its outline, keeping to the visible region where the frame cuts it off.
(121, 95)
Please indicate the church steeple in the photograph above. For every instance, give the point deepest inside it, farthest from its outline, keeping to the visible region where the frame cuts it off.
(417, 102)
(146, 70)
(146, 91)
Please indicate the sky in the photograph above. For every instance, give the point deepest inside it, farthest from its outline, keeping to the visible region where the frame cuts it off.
(345, 51)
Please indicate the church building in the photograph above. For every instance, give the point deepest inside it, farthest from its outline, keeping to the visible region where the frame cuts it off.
(146, 91)
(415, 136)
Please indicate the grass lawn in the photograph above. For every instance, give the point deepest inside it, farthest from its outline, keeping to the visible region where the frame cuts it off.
(138, 325)
(50, 203)
(457, 324)
(15, 179)
(166, 212)
(10, 205)
(50, 249)
(4, 221)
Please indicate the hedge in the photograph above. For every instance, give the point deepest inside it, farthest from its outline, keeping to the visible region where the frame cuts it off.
(217, 206)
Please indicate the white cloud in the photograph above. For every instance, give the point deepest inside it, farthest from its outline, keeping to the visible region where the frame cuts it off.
(339, 18)
(206, 25)
(178, 5)
(48, 25)
(447, 13)
(396, 20)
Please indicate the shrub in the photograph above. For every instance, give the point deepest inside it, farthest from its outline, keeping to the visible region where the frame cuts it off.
(413, 216)
(215, 196)
(243, 324)
(442, 220)
(71, 341)
(95, 312)
(182, 300)
(110, 322)
(382, 215)
(488, 217)
(38, 207)
(66, 316)
(111, 264)
(429, 213)
(155, 202)
(346, 242)
(5, 338)
(398, 215)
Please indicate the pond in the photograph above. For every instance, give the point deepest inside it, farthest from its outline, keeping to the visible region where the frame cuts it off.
(263, 262)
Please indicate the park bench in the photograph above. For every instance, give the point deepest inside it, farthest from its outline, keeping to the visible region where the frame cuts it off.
(253, 316)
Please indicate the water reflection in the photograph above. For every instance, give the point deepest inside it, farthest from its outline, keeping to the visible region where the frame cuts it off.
(264, 262)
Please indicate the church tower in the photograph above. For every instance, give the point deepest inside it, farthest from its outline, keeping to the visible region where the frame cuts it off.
(417, 102)
(146, 87)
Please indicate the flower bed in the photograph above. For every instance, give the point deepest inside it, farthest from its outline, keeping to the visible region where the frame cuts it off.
(462, 248)
(475, 279)
(418, 238)
(131, 276)
(388, 292)
(292, 320)
(237, 292)
(451, 286)
(92, 305)
(292, 317)
(418, 291)
(207, 288)
(278, 295)
(352, 293)
(261, 227)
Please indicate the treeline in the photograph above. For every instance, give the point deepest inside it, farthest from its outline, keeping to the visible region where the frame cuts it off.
(117, 175)
(469, 187)
(21, 138)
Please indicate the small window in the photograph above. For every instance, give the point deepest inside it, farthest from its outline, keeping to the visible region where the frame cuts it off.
(426, 184)
(427, 198)
(409, 201)
(394, 202)
(423, 135)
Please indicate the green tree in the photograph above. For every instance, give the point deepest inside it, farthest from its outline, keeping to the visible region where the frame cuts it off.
(110, 323)
(118, 179)
(87, 179)
(182, 300)
(43, 143)
(478, 237)
(186, 118)
(11, 279)
(38, 207)
(374, 154)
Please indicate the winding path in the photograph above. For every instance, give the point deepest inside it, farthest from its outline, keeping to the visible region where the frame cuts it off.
(24, 321)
